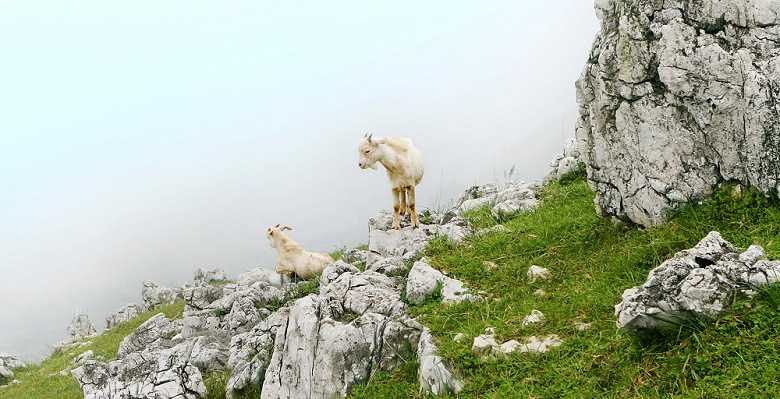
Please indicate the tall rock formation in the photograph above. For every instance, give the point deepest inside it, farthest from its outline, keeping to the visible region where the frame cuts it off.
(677, 97)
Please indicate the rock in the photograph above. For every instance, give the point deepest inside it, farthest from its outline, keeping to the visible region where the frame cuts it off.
(154, 295)
(250, 353)
(333, 271)
(6, 373)
(485, 346)
(262, 275)
(434, 376)
(80, 327)
(390, 266)
(460, 337)
(82, 358)
(696, 284)
(321, 357)
(676, 98)
(517, 197)
(540, 293)
(534, 318)
(580, 326)
(354, 256)
(537, 273)
(476, 192)
(141, 375)
(203, 276)
(541, 345)
(424, 280)
(157, 328)
(11, 361)
(126, 313)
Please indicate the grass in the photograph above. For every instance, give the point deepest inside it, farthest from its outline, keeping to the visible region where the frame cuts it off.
(592, 262)
(43, 381)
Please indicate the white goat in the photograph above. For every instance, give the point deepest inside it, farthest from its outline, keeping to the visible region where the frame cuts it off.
(293, 259)
(404, 165)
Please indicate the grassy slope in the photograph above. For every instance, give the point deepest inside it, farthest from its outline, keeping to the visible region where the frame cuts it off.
(36, 382)
(593, 261)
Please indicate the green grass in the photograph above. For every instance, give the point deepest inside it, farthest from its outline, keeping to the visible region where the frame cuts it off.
(592, 262)
(36, 382)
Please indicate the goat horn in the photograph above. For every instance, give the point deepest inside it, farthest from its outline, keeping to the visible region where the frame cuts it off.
(369, 137)
(277, 225)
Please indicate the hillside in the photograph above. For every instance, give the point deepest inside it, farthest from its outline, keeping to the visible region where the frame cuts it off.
(592, 262)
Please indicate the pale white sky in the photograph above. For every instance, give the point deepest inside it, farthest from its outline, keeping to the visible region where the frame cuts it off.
(143, 140)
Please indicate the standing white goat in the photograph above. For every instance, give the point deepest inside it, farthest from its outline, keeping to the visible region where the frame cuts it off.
(404, 165)
(292, 258)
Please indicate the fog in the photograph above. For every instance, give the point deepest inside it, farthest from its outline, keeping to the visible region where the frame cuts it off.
(141, 141)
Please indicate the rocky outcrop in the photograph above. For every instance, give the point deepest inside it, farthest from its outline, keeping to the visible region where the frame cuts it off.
(676, 98)
(423, 281)
(80, 327)
(516, 197)
(126, 313)
(154, 295)
(700, 283)
(564, 163)
(203, 276)
(7, 364)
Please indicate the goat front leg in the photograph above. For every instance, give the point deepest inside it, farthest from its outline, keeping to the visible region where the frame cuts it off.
(404, 208)
(396, 208)
(412, 207)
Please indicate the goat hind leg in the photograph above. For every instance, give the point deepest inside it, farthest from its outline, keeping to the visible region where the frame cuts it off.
(396, 209)
(412, 207)
(404, 207)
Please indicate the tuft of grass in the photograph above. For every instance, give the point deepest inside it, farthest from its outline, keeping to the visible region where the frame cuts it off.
(593, 261)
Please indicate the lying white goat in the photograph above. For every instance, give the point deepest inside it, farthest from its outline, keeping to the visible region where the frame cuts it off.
(404, 165)
(293, 259)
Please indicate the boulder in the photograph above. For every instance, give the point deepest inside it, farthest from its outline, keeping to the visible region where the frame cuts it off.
(126, 313)
(271, 277)
(434, 375)
(317, 356)
(424, 280)
(676, 98)
(696, 284)
(516, 197)
(203, 276)
(154, 296)
(80, 327)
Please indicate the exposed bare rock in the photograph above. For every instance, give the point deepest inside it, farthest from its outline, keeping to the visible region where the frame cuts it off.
(696, 284)
(676, 98)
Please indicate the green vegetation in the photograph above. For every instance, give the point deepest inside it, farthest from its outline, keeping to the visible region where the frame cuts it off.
(44, 380)
(592, 262)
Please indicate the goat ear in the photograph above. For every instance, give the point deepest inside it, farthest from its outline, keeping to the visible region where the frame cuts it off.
(286, 228)
(277, 225)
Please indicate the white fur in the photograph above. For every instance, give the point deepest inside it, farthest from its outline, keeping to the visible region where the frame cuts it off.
(405, 168)
(293, 259)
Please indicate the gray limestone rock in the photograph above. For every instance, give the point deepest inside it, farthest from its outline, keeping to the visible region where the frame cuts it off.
(434, 375)
(203, 276)
(676, 98)
(424, 280)
(126, 313)
(153, 295)
(696, 284)
(80, 327)
(268, 276)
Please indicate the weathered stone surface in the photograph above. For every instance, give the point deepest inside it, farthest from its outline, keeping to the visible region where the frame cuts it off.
(434, 375)
(317, 357)
(534, 318)
(333, 271)
(141, 375)
(80, 327)
(516, 197)
(158, 327)
(126, 313)
(697, 283)
(535, 273)
(424, 280)
(153, 295)
(7, 363)
(203, 276)
(262, 275)
(676, 98)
